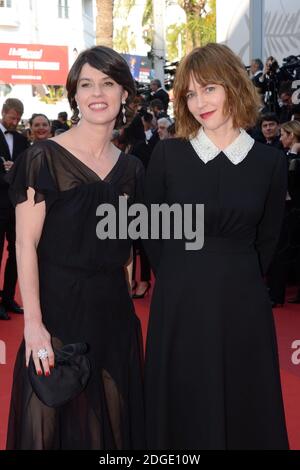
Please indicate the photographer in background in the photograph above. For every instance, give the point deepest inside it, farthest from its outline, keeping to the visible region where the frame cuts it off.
(270, 81)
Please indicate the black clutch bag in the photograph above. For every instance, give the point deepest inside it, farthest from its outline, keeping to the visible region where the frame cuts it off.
(67, 379)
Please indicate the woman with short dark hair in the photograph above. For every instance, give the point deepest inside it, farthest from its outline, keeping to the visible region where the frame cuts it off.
(73, 284)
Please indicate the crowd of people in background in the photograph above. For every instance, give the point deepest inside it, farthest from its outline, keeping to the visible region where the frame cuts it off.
(278, 126)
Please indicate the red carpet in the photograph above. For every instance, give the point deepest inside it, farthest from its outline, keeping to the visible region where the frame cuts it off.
(288, 330)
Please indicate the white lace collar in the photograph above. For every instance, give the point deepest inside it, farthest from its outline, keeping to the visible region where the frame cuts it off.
(235, 152)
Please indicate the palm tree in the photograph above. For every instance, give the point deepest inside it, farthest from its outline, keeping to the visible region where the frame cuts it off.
(195, 10)
(104, 22)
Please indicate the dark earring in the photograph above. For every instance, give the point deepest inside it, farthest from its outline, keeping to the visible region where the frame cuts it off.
(124, 112)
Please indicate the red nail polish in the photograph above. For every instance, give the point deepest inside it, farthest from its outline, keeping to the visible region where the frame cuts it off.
(40, 372)
(47, 373)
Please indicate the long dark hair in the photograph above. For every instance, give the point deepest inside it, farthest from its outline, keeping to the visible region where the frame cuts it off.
(110, 63)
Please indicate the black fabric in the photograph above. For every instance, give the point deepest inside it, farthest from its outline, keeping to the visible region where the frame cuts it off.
(84, 298)
(145, 270)
(134, 132)
(163, 96)
(7, 215)
(276, 143)
(278, 271)
(8, 232)
(67, 379)
(256, 82)
(212, 372)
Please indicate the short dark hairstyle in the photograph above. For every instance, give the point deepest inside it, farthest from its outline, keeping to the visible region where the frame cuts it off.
(13, 103)
(268, 117)
(36, 115)
(148, 117)
(110, 63)
(157, 103)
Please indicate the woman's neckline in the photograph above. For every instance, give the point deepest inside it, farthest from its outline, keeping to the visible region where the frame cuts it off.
(85, 165)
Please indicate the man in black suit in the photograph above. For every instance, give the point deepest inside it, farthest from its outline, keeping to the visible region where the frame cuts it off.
(11, 145)
(158, 93)
(270, 129)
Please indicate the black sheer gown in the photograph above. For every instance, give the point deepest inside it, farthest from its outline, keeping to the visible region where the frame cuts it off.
(212, 374)
(84, 298)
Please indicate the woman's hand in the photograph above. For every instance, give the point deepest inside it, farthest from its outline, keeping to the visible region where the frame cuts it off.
(37, 338)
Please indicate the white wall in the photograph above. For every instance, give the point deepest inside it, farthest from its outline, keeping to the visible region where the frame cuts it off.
(281, 27)
(41, 25)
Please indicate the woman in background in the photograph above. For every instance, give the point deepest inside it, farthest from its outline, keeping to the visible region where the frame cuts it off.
(40, 127)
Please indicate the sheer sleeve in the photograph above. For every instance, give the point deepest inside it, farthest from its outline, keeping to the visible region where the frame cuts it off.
(31, 170)
(131, 179)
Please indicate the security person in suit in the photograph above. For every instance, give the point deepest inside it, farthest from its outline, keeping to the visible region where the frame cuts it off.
(11, 145)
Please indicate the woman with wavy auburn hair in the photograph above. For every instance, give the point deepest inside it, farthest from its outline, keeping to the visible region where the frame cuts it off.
(218, 65)
(212, 373)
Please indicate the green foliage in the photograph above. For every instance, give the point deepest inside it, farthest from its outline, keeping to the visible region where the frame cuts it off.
(147, 22)
(175, 40)
(122, 42)
(199, 29)
(55, 94)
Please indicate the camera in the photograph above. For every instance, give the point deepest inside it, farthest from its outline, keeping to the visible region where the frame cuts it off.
(291, 65)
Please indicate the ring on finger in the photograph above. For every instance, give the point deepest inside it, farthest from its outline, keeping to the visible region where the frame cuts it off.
(42, 354)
